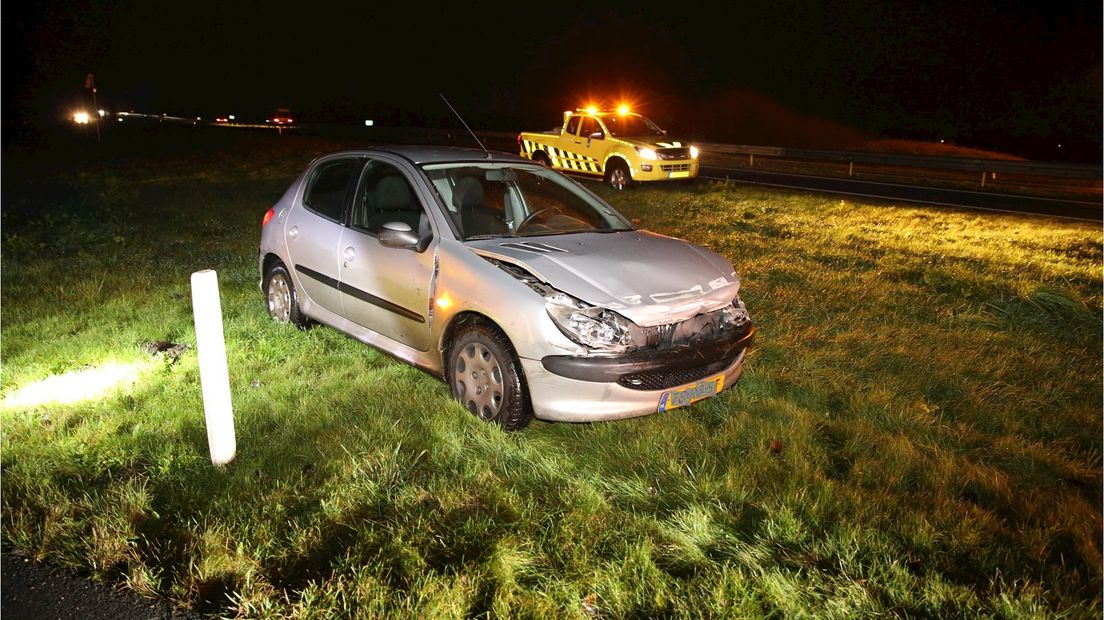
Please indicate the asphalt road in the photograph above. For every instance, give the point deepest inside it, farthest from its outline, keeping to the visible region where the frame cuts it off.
(964, 199)
(33, 591)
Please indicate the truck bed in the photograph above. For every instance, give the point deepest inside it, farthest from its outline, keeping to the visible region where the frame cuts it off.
(551, 132)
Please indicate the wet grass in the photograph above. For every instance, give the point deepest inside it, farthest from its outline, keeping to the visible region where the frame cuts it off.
(931, 380)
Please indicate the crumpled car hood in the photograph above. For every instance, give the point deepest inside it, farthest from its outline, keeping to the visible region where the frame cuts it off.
(650, 279)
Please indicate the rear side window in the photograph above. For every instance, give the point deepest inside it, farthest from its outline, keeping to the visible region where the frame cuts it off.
(326, 193)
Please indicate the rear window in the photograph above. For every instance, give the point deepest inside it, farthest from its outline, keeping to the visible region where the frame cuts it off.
(329, 184)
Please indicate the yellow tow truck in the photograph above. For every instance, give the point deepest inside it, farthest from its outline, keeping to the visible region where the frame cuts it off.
(619, 146)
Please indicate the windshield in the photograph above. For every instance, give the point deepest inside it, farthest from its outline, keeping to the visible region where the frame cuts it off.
(629, 125)
(487, 201)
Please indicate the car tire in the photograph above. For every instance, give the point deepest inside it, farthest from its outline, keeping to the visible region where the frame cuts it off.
(618, 176)
(281, 297)
(486, 376)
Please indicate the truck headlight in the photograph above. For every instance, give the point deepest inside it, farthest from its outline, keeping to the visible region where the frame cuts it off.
(595, 328)
(693, 152)
(645, 152)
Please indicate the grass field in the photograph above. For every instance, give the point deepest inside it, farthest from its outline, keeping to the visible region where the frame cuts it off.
(930, 381)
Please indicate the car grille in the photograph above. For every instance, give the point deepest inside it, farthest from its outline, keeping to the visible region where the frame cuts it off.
(676, 153)
(674, 167)
(663, 379)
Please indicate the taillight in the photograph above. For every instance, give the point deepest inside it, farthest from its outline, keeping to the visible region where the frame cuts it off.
(519, 140)
(267, 217)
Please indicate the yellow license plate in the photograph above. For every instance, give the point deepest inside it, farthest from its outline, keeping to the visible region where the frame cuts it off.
(679, 175)
(690, 394)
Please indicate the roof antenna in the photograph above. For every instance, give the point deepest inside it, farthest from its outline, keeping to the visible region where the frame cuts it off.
(466, 126)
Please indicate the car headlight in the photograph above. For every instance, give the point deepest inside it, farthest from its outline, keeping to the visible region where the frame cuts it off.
(645, 152)
(693, 152)
(595, 328)
(735, 315)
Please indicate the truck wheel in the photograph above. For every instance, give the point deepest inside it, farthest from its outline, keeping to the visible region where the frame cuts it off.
(617, 175)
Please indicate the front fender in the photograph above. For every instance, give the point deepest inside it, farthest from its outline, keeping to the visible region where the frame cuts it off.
(468, 282)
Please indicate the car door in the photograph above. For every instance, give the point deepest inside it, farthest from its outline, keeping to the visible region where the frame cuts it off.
(314, 228)
(387, 289)
(563, 156)
(592, 145)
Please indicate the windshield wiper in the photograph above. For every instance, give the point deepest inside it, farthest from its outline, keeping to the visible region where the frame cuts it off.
(553, 233)
(479, 237)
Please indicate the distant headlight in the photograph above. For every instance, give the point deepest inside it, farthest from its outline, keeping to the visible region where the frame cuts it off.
(594, 328)
(693, 152)
(645, 152)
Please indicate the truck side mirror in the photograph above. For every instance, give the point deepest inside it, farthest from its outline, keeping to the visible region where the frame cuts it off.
(595, 136)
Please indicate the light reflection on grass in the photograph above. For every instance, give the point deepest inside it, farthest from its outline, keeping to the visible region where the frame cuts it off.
(75, 386)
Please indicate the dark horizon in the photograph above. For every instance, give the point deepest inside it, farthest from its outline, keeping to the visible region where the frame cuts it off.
(1013, 76)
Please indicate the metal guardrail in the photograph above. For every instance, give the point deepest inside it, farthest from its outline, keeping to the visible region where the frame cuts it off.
(503, 140)
(1049, 169)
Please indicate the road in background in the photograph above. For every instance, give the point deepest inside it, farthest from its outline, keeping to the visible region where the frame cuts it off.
(965, 199)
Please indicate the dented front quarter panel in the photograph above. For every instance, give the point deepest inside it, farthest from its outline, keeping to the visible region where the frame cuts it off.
(474, 284)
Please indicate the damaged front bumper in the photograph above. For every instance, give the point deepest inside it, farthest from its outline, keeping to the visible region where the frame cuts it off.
(582, 389)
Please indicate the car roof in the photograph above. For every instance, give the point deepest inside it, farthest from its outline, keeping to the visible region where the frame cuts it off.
(420, 154)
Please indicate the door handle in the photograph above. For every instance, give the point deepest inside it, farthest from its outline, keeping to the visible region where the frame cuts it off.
(578, 142)
(293, 232)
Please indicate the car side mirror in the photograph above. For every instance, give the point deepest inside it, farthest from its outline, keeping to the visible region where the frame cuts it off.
(398, 235)
(595, 136)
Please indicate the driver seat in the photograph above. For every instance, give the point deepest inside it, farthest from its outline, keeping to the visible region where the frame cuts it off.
(475, 219)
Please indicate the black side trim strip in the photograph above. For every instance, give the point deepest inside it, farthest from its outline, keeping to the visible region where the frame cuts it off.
(359, 294)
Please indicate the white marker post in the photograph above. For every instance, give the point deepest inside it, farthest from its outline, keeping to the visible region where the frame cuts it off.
(214, 376)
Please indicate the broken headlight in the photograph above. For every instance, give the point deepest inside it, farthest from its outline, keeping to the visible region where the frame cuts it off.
(735, 315)
(595, 328)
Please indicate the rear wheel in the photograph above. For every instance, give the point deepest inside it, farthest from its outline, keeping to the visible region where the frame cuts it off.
(617, 175)
(486, 376)
(283, 300)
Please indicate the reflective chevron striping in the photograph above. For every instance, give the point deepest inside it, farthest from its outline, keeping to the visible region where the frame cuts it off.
(562, 159)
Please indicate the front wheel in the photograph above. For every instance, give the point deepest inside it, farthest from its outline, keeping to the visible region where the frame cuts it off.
(617, 176)
(486, 377)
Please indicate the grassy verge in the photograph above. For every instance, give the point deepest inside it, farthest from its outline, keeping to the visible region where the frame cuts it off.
(931, 380)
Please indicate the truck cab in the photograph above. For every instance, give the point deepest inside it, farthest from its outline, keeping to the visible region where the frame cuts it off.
(621, 147)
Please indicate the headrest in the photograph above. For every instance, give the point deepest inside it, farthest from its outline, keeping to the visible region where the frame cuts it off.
(467, 194)
(392, 194)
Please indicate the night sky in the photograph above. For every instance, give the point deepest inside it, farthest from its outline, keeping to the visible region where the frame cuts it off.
(972, 71)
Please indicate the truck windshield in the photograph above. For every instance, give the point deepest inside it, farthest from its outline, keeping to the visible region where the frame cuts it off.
(631, 125)
(489, 200)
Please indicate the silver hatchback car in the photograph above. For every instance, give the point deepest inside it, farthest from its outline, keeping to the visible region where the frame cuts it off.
(515, 284)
